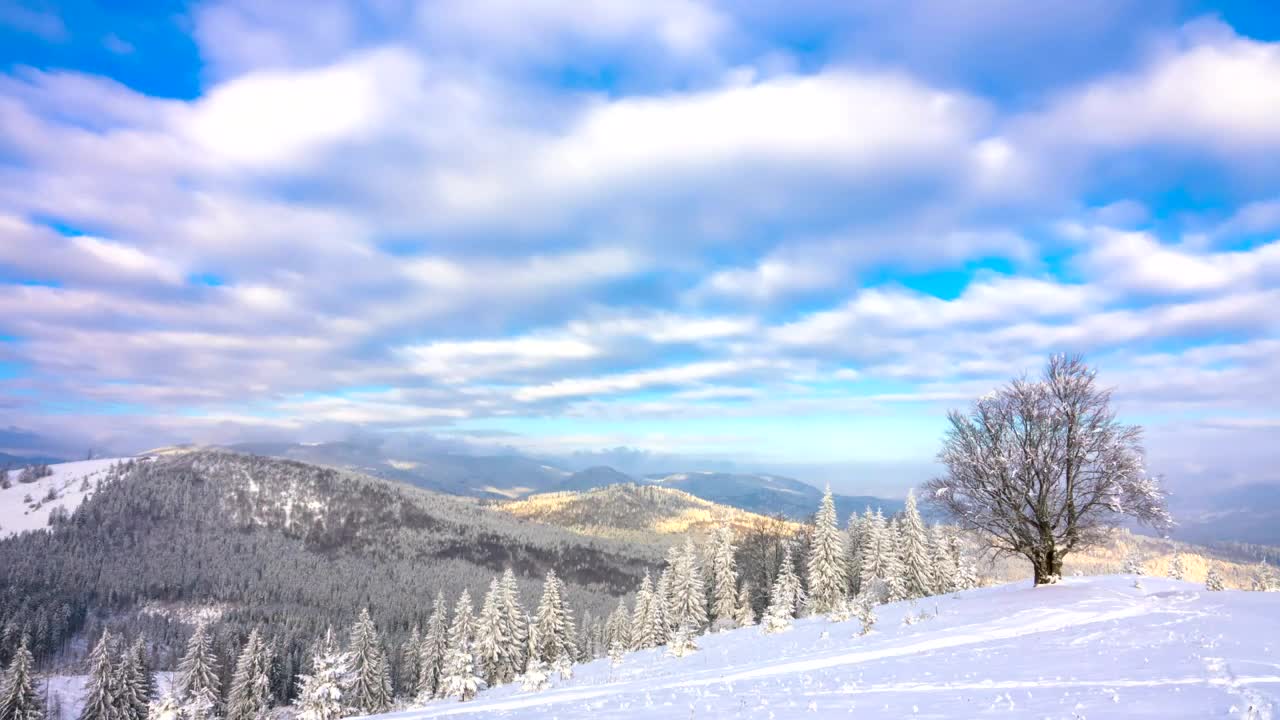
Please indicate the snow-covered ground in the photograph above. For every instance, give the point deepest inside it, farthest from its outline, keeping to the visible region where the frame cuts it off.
(1088, 648)
(19, 515)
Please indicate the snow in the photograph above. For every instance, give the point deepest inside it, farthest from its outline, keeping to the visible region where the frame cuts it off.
(1087, 648)
(17, 515)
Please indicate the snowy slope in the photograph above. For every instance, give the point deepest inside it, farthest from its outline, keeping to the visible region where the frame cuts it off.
(1088, 648)
(18, 515)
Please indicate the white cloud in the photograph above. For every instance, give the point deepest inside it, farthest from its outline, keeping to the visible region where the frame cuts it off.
(1137, 261)
(630, 382)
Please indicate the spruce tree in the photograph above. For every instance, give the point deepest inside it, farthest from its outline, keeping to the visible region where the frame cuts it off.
(515, 625)
(744, 615)
(1132, 563)
(534, 678)
(826, 567)
(1213, 581)
(250, 695)
(463, 629)
(1176, 569)
(944, 576)
(618, 628)
(135, 687)
(659, 617)
(855, 540)
(894, 573)
(724, 574)
(641, 630)
(460, 679)
(370, 691)
(492, 647)
(410, 662)
(18, 697)
(100, 693)
(689, 595)
(322, 694)
(435, 645)
(554, 623)
(791, 587)
(198, 687)
(917, 568)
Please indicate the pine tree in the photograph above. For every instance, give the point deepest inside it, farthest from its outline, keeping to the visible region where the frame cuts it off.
(534, 678)
(944, 576)
(917, 569)
(460, 679)
(515, 625)
(865, 609)
(491, 646)
(689, 595)
(641, 615)
(435, 646)
(554, 623)
(855, 540)
(724, 575)
(618, 628)
(1176, 569)
(322, 694)
(790, 592)
(744, 615)
(135, 687)
(826, 567)
(410, 661)
(370, 691)
(198, 687)
(18, 697)
(1132, 563)
(894, 574)
(250, 695)
(966, 575)
(100, 694)
(165, 708)
(1213, 581)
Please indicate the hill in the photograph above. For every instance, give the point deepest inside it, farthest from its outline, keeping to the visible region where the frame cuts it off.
(595, 477)
(284, 545)
(768, 494)
(29, 506)
(632, 512)
(1101, 649)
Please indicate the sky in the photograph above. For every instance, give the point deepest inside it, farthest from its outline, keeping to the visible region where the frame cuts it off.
(782, 235)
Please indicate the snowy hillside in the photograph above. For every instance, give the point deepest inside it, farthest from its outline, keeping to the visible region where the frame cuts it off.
(1087, 648)
(67, 483)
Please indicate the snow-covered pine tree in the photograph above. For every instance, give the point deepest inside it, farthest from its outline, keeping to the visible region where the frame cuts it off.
(198, 687)
(855, 539)
(250, 695)
(1213, 581)
(865, 610)
(100, 693)
(1176, 569)
(792, 587)
(744, 615)
(135, 687)
(460, 679)
(491, 646)
(641, 615)
(917, 566)
(1132, 562)
(618, 627)
(435, 645)
(410, 662)
(688, 592)
(724, 577)
(322, 694)
(826, 569)
(165, 708)
(659, 614)
(681, 643)
(535, 677)
(515, 624)
(965, 573)
(555, 623)
(943, 572)
(872, 555)
(370, 691)
(617, 651)
(18, 697)
(785, 597)
(894, 573)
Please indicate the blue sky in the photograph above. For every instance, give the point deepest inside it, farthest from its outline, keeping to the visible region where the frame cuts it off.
(783, 235)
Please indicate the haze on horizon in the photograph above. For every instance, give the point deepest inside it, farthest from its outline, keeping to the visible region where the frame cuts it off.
(780, 236)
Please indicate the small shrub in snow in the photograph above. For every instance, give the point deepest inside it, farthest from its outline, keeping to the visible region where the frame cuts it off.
(616, 652)
(775, 622)
(682, 643)
(563, 667)
(534, 678)
(1214, 580)
(866, 612)
(842, 612)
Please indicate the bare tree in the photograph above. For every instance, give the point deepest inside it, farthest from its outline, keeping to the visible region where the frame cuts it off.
(1041, 468)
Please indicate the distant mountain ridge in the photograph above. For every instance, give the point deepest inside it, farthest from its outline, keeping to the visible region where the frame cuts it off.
(511, 476)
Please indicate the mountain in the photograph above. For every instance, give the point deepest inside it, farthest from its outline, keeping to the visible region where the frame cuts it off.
(635, 512)
(768, 494)
(1242, 514)
(491, 476)
(287, 546)
(17, 461)
(595, 477)
(1088, 647)
(30, 506)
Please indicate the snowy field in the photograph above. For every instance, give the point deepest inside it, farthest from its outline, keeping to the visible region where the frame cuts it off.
(1088, 648)
(19, 515)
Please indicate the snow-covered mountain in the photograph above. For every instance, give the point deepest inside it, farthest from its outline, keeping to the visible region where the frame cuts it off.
(27, 506)
(1086, 648)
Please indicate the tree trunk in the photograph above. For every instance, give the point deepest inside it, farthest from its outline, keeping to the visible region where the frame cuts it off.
(1047, 565)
